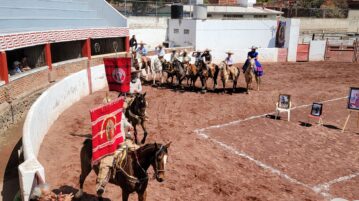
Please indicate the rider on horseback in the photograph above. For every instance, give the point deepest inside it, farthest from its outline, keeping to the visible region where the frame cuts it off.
(107, 162)
(160, 53)
(253, 54)
(174, 56)
(229, 59)
(142, 51)
(185, 58)
(197, 55)
(207, 58)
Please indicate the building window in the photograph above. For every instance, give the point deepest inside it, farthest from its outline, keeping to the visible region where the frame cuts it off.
(260, 16)
(186, 31)
(176, 31)
(209, 15)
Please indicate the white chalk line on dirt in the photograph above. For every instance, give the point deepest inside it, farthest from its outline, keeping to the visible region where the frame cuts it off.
(322, 189)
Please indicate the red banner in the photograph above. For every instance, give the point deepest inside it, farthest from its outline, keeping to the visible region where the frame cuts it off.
(118, 73)
(106, 129)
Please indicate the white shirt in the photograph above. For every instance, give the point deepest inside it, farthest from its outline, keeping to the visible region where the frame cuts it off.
(135, 86)
(229, 61)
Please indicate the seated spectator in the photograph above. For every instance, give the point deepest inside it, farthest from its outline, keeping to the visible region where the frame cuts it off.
(24, 64)
(42, 192)
(15, 68)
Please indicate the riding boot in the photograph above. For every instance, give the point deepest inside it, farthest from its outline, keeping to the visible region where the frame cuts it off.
(104, 174)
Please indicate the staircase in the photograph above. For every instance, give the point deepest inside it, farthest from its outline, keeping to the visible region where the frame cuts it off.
(43, 15)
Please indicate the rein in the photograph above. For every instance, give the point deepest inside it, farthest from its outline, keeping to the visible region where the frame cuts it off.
(134, 179)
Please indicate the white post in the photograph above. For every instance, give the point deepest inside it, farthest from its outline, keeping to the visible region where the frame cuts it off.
(291, 38)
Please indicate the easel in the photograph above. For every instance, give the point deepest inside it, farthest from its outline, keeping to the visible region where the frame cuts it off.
(278, 110)
(346, 121)
(318, 118)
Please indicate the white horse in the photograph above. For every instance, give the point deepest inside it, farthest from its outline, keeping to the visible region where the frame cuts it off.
(156, 69)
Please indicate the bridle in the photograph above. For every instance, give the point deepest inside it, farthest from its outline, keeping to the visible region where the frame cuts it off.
(157, 171)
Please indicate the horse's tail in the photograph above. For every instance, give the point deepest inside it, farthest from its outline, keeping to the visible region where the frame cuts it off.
(86, 150)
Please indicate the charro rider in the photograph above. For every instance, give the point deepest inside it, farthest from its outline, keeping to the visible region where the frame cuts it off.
(174, 56)
(160, 53)
(207, 58)
(229, 59)
(142, 52)
(185, 58)
(135, 84)
(253, 54)
(107, 162)
(197, 56)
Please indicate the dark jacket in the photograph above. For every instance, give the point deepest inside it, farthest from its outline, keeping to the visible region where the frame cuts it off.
(207, 56)
(133, 42)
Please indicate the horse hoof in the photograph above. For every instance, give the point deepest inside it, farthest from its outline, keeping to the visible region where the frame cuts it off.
(79, 194)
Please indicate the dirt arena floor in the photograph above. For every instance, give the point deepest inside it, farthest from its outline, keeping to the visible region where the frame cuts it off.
(228, 146)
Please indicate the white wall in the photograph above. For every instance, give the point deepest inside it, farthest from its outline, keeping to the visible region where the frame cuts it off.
(317, 50)
(38, 120)
(291, 38)
(235, 34)
(151, 30)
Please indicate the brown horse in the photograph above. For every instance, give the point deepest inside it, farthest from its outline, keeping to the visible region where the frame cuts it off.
(136, 114)
(205, 74)
(191, 74)
(131, 172)
(228, 72)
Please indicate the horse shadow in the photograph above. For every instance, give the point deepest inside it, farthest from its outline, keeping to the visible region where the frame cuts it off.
(85, 197)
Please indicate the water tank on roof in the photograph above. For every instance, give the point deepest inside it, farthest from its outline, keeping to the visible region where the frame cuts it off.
(176, 11)
(200, 12)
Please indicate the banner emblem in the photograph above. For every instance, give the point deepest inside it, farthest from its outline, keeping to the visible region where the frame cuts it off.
(119, 75)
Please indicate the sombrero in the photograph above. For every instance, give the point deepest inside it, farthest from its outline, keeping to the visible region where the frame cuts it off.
(160, 45)
(133, 70)
(207, 50)
(254, 47)
(229, 52)
(142, 43)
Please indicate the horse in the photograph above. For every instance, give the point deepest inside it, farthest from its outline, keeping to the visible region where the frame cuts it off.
(249, 74)
(169, 70)
(179, 72)
(228, 72)
(191, 74)
(205, 74)
(156, 69)
(131, 172)
(136, 114)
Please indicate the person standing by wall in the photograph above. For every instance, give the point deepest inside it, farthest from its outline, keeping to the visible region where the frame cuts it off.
(133, 43)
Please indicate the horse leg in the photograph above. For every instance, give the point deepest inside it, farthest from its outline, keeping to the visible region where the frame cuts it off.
(144, 133)
(258, 82)
(142, 196)
(135, 133)
(85, 170)
(125, 195)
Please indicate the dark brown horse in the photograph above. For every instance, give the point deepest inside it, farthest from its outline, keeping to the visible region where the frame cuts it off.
(131, 173)
(205, 74)
(191, 74)
(167, 67)
(136, 114)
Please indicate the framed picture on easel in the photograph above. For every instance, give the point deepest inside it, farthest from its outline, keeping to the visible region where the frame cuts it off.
(353, 100)
(284, 101)
(317, 109)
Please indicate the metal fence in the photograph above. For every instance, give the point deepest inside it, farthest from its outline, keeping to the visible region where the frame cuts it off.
(143, 8)
(312, 12)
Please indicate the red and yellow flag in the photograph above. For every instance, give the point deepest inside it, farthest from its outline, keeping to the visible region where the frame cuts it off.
(106, 129)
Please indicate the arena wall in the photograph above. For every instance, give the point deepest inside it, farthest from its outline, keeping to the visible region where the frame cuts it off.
(317, 50)
(56, 99)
